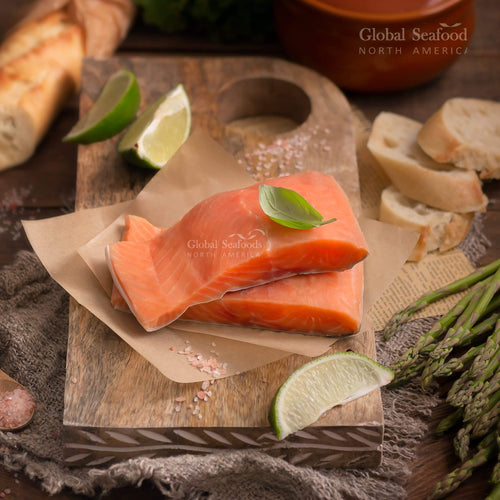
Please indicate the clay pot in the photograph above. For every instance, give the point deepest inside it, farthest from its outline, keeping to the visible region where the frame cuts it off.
(375, 46)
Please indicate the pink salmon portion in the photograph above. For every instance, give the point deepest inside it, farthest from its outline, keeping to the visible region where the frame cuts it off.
(136, 229)
(321, 304)
(227, 243)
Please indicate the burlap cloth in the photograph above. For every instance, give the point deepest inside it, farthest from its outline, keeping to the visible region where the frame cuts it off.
(33, 335)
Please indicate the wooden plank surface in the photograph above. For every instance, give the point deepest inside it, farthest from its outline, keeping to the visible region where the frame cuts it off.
(228, 97)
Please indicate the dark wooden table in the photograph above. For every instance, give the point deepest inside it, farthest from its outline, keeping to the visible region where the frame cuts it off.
(45, 186)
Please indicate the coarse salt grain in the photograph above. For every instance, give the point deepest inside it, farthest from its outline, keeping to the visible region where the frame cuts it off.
(16, 408)
(210, 366)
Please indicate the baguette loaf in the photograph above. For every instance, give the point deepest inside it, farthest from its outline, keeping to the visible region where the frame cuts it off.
(393, 142)
(465, 132)
(438, 230)
(40, 66)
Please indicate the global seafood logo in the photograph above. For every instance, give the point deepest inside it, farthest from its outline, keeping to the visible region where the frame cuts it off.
(235, 245)
(384, 41)
(235, 240)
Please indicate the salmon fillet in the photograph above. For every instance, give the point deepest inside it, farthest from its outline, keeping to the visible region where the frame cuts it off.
(136, 229)
(227, 243)
(322, 303)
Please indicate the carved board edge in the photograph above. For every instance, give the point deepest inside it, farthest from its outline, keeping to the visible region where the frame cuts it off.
(347, 446)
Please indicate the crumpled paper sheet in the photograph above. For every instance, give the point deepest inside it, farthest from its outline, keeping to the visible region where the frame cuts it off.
(72, 249)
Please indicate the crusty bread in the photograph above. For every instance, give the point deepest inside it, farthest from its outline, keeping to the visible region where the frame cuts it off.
(393, 142)
(465, 132)
(438, 230)
(40, 66)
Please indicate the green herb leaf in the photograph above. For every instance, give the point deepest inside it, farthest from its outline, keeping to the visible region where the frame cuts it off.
(289, 208)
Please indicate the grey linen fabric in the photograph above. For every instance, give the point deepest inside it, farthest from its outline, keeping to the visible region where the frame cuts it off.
(33, 335)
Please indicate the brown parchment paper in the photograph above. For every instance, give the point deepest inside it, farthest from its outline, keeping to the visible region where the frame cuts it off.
(72, 249)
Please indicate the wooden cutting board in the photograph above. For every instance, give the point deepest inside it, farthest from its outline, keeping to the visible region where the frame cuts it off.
(273, 117)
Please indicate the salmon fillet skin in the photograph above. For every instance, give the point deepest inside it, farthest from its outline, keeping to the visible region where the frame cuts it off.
(319, 304)
(227, 243)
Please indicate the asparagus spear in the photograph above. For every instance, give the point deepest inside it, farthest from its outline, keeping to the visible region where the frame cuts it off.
(495, 474)
(465, 434)
(478, 404)
(430, 297)
(439, 355)
(494, 493)
(478, 331)
(488, 418)
(465, 388)
(438, 329)
(458, 364)
(453, 337)
(406, 375)
(447, 423)
(461, 441)
(455, 365)
(485, 355)
(409, 365)
(452, 481)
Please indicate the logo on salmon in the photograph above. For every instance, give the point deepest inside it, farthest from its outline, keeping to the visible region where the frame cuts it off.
(251, 235)
(202, 244)
(234, 242)
(242, 241)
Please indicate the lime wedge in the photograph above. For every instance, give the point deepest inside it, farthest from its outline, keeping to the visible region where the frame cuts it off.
(113, 110)
(159, 131)
(325, 382)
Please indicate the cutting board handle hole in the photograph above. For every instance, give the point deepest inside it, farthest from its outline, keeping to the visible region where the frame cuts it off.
(278, 105)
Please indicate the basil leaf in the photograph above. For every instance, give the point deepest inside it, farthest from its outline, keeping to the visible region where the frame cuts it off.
(289, 208)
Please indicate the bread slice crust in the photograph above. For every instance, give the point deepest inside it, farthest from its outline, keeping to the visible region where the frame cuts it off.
(393, 142)
(465, 132)
(437, 229)
(37, 76)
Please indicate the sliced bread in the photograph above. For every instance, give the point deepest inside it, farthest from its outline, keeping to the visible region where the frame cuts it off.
(393, 142)
(465, 132)
(35, 81)
(438, 230)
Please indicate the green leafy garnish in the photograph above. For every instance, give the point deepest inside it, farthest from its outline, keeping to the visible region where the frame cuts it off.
(289, 208)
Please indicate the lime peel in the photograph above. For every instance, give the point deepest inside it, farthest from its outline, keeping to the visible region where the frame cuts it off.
(159, 131)
(321, 384)
(112, 111)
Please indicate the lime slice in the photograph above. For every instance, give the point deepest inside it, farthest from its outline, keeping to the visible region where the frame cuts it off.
(325, 382)
(159, 131)
(113, 110)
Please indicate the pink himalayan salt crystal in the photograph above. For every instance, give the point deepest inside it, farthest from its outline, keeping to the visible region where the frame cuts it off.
(16, 408)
